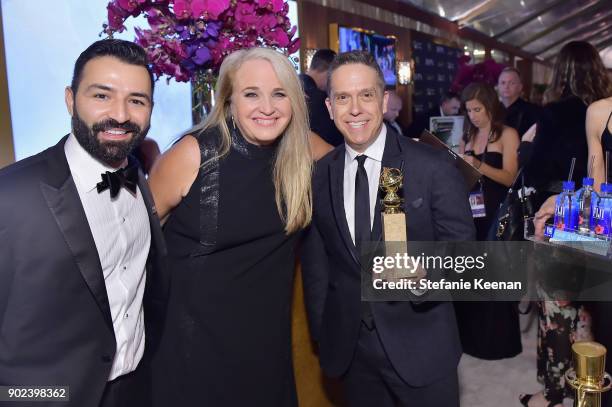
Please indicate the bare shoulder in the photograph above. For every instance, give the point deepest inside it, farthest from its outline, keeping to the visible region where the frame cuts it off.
(177, 166)
(174, 173)
(599, 108)
(509, 135)
(184, 153)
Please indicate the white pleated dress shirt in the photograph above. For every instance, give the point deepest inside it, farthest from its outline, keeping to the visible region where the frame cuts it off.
(372, 165)
(121, 231)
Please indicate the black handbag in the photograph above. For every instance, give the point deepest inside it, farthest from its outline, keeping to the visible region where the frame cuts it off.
(509, 221)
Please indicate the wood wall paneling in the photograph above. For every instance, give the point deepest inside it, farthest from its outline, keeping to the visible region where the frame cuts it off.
(525, 67)
(7, 152)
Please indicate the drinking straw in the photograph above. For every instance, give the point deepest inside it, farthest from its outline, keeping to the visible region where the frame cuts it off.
(571, 172)
(591, 162)
(607, 164)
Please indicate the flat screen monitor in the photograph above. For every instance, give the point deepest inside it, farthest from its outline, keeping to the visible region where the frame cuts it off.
(383, 49)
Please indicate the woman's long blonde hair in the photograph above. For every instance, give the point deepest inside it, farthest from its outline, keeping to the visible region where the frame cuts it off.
(293, 162)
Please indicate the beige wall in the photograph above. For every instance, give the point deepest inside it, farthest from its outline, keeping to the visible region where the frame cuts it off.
(7, 153)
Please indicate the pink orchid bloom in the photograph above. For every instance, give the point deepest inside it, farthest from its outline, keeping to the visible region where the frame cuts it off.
(182, 9)
(245, 14)
(273, 5)
(278, 37)
(214, 27)
(116, 17)
(294, 46)
(211, 9)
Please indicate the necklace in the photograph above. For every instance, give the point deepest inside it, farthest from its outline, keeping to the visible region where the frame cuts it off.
(489, 139)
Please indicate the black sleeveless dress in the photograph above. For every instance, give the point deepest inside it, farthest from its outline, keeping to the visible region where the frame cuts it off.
(489, 330)
(494, 194)
(227, 334)
(606, 143)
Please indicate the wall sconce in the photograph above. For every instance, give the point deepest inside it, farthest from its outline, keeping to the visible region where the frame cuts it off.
(404, 72)
(309, 54)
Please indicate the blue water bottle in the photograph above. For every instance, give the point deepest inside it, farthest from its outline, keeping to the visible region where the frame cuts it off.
(586, 198)
(602, 212)
(564, 219)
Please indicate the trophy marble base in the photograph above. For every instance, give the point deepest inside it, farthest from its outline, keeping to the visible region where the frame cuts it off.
(394, 227)
(395, 238)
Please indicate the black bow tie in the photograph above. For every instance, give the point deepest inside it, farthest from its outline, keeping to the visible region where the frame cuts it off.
(125, 177)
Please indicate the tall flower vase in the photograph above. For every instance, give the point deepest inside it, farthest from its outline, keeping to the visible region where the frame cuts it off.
(202, 95)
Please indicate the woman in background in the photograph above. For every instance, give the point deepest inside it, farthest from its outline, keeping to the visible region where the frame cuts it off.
(599, 140)
(599, 136)
(579, 78)
(489, 146)
(318, 146)
(235, 192)
(488, 330)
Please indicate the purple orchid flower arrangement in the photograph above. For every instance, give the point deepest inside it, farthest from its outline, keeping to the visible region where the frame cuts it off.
(190, 36)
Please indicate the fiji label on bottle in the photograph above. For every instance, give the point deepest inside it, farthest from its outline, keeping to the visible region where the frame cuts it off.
(602, 217)
(563, 214)
(586, 204)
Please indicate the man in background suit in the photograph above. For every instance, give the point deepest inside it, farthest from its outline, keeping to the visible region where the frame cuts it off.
(384, 352)
(449, 105)
(394, 107)
(520, 114)
(78, 235)
(314, 82)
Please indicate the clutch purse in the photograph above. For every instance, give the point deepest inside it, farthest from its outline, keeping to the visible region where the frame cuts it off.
(509, 221)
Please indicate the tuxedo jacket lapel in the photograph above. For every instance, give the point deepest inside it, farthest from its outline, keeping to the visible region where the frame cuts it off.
(157, 238)
(158, 284)
(336, 172)
(63, 201)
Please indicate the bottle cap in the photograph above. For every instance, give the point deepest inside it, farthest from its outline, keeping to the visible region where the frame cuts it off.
(606, 188)
(568, 185)
(587, 181)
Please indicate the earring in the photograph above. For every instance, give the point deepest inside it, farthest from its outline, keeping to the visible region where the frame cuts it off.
(233, 123)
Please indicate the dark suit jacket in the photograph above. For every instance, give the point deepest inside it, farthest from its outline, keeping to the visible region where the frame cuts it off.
(318, 115)
(55, 321)
(421, 340)
(521, 115)
(402, 128)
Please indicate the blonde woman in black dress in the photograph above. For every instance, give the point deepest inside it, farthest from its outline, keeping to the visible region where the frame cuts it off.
(235, 193)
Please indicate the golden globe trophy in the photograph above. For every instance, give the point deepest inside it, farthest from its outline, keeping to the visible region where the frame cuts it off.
(394, 223)
(588, 378)
(393, 219)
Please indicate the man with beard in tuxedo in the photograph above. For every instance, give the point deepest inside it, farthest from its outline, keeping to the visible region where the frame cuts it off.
(79, 242)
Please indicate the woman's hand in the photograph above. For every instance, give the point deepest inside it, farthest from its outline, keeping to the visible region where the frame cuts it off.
(543, 214)
(470, 159)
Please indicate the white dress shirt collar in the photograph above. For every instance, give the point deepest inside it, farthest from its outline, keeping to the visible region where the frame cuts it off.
(90, 169)
(374, 151)
(372, 166)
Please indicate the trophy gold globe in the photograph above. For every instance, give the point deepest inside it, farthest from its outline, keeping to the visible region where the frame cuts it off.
(390, 182)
